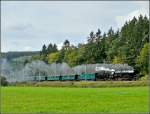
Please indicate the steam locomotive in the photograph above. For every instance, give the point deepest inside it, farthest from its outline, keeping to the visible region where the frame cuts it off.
(92, 72)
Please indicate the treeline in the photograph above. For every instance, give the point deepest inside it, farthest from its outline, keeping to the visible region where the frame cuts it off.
(16, 54)
(128, 45)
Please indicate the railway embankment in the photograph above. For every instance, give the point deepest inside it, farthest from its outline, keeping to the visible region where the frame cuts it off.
(83, 84)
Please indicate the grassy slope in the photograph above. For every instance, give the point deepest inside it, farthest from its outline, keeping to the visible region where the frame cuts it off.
(45, 99)
(84, 84)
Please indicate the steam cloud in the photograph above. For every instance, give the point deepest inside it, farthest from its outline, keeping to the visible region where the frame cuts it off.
(28, 72)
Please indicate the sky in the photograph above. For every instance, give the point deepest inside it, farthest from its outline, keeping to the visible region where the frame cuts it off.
(27, 25)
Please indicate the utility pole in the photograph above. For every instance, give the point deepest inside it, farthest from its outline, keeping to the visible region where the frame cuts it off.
(23, 75)
(39, 76)
(55, 68)
(85, 72)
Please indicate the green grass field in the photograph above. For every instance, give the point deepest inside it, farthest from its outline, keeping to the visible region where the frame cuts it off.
(46, 99)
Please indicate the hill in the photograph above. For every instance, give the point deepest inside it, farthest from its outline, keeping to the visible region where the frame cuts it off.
(15, 54)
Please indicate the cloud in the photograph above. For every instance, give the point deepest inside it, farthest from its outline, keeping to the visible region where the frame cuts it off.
(21, 27)
(27, 48)
(59, 46)
(36, 23)
(143, 10)
(142, 4)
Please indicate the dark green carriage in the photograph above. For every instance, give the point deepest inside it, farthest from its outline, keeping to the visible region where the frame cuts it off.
(87, 77)
(69, 77)
(53, 78)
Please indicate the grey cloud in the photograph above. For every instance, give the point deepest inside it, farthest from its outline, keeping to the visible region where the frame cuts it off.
(21, 27)
(43, 22)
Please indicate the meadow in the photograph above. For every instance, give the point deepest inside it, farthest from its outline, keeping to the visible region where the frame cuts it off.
(52, 99)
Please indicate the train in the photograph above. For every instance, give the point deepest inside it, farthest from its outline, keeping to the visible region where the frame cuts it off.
(93, 72)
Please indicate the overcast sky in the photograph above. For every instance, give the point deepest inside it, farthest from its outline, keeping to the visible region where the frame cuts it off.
(26, 26)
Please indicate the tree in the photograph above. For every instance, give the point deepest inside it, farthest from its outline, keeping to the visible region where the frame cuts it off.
(98, 36)
(55, 48)
(104, 35)
(133, 36)
(43, 53)
(117, 60)
(52, 48)
(91, 37)
(112, 50)
(66, 45)
(71, 57)
(44, 50)
(36, 57)
(53, 57)
(143, 59)
(110, 33)
(4, 82)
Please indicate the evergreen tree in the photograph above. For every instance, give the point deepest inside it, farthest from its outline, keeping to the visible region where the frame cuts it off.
(44, 50)
(50, 48)
(91, 38)
(55, 48)
(66, 45)
(98, 36)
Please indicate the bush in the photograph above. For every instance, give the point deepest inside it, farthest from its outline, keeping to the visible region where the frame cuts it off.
(144, 78)
(4, 82)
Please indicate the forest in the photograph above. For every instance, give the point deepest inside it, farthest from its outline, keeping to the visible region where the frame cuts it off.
(128, 45)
